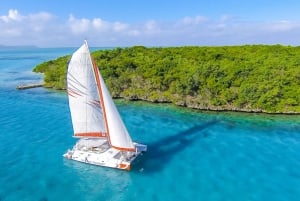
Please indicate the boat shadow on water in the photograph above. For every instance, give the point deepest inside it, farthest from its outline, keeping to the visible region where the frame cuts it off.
(161, 152)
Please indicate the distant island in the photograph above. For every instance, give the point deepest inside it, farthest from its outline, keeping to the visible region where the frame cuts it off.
(248, 78)
(17, 46)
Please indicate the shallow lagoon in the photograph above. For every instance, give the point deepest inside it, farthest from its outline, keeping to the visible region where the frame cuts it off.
(193, 155)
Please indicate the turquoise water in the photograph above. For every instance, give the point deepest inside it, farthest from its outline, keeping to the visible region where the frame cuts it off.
(192, 155)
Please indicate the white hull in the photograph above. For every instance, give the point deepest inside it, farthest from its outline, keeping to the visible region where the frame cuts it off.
(98, 152)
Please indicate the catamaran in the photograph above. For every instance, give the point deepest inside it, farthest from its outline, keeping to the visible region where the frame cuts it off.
(103, 137)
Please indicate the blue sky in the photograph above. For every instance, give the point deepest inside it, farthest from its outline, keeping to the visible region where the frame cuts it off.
(54, 23)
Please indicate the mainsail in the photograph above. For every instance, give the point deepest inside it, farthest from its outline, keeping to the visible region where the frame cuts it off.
(86, 112)
(93, 111)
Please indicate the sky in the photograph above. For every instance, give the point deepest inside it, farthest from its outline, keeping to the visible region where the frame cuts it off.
(119, 23)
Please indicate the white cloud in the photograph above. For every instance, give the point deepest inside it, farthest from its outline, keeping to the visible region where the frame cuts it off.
(134, 33)
(283, 26)
(79, 25)
(94, 25)
(13, 15)
(151, 25)
(194, 20)
(45, 29)
(225, 18)
(100, 24)
(18, 29)
(118, 26)
(13, 32)
(40, 17)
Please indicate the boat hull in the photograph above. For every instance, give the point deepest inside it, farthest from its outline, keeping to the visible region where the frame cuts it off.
(98, 152)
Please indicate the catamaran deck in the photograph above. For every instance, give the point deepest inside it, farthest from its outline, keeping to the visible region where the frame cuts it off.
(98, 152)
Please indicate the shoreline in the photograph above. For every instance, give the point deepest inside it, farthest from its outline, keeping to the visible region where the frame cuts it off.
(208, 108)
(179, 104)
(183, 104)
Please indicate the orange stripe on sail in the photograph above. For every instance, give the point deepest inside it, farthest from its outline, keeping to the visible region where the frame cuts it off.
(90, 134)
(70, 94)
(73, 93)
(98, 81)
(97, 76)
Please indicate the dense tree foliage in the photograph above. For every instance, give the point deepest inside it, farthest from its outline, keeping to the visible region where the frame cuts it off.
(257, 78)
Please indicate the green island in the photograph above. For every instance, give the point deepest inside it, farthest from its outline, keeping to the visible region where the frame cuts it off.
(248, 78)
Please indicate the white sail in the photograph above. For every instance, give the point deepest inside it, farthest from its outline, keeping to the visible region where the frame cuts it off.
(87, 93)
(118, 134)
(84, 102)
(105, 140)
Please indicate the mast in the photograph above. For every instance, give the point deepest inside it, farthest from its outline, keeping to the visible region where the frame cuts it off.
(88, 95)
(97, 78)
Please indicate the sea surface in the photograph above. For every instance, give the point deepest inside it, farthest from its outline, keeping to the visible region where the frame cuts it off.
(192, 155)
